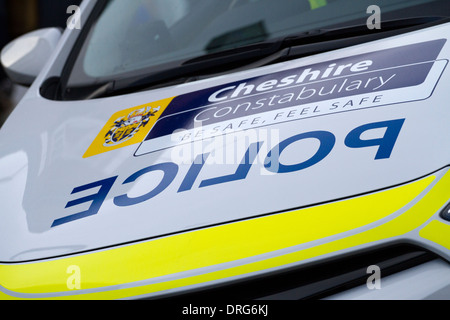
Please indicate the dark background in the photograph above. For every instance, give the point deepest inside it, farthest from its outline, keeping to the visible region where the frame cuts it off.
(21, 16)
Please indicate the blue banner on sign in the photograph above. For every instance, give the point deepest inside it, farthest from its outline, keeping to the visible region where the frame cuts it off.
(373, 72)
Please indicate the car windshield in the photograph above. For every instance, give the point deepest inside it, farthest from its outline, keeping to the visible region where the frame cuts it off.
(135, 37)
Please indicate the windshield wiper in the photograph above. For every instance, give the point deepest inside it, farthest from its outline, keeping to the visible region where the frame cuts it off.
(187, 70)
(259, 54)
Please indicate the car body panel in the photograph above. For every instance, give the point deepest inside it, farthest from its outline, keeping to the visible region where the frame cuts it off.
(70, 199)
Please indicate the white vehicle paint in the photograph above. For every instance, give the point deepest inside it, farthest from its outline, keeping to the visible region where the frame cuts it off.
(85, 177)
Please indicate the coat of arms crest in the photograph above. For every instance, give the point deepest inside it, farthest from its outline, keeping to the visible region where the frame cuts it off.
(124, 128)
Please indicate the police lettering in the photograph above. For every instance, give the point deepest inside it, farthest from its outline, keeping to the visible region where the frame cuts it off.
(383, 147)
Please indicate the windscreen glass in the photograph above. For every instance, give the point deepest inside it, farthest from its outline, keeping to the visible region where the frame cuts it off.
(135, 37)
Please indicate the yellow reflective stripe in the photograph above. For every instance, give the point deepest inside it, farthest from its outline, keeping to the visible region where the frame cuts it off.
(437, 232)
(216, 245)
(317, 3)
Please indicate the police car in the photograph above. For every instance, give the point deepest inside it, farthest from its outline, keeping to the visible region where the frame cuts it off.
(230, 149)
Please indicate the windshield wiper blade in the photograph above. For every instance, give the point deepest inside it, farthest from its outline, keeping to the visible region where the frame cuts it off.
(186, 70)
(313, 36)
(263, 53)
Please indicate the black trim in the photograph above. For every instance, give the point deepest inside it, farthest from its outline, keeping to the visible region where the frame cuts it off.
(315, 281)
(445, 213)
